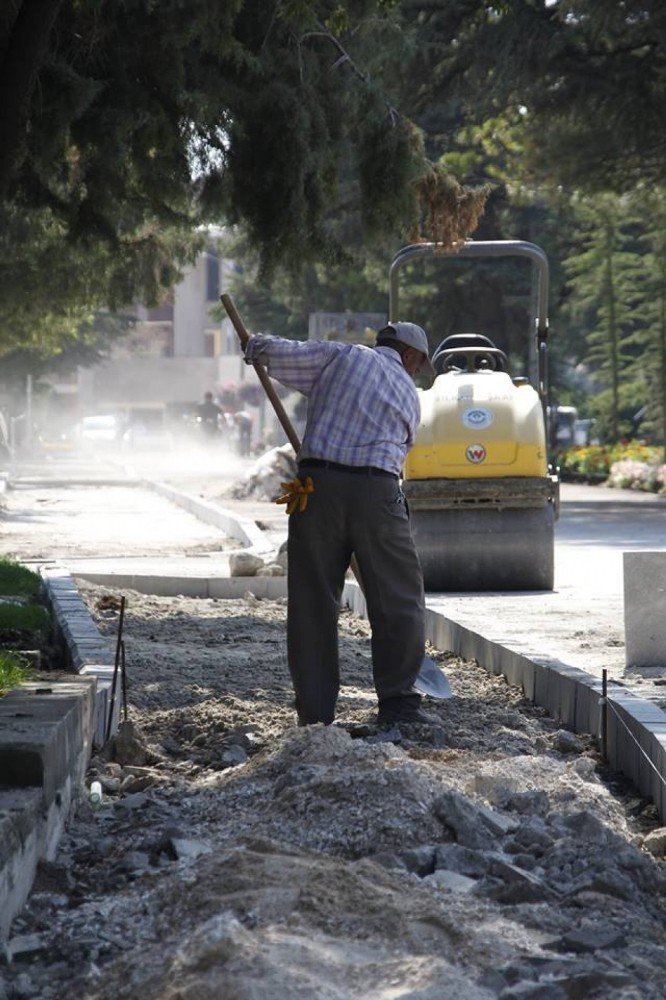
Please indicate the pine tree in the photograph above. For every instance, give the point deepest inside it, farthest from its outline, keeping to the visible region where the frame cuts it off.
(126, 125)
(649, 366)
(588, 74)
(603, 280)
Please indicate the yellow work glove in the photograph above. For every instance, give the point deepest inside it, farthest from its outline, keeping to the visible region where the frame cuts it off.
(296, 494)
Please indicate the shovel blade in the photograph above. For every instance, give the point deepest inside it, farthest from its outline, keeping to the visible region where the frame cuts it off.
(432, 681)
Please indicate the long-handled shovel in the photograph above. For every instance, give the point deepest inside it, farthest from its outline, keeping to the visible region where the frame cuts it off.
(430, 681)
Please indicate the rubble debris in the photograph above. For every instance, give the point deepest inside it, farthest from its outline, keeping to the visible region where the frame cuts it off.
(244, 564)
(566, 742)
(655, 842)
(462, 860)
(271, 569)
(264, 479)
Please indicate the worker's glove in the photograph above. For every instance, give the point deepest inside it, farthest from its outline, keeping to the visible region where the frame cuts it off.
(296, 494)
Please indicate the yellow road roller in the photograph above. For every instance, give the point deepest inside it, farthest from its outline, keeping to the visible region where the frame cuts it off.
(482, 496)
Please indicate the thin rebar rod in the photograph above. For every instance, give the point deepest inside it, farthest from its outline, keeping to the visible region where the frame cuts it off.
(123, 678)
(604, 713)
(116, 667)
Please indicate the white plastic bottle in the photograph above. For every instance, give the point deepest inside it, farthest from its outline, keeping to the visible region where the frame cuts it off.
(96, 794)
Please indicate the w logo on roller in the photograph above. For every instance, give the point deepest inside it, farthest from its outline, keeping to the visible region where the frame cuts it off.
(475, 453)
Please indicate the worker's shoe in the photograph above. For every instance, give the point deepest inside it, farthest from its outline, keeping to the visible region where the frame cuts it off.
(404, 714)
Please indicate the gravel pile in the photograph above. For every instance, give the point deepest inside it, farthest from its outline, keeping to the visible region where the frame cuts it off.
(262, 481)
(235, 855)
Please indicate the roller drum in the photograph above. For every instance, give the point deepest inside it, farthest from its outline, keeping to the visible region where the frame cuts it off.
(482, 549)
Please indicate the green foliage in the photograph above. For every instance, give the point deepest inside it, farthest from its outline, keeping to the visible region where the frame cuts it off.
(387, 171)
(128, 125)
(649, 340)
(16, 579)
(283, 306)
(604, 275)
(51, 286)
(24, 617)
(593, 463)
(12, 671)
(589, 75)
(88, 345)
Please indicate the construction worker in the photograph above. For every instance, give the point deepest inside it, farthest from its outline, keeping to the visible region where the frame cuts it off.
(208, 416)
(362, 414)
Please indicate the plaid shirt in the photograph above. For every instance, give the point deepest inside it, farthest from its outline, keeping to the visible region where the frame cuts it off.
(363, 408)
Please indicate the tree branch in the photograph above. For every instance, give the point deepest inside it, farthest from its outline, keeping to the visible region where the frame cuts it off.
(26, 50)
(344, 58)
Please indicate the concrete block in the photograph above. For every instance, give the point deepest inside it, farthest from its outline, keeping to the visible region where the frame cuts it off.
(541, 684)
(84, 654)
(165, 586)
(43, 732)
(588, 710)
(28, 834)
(637, 742)
(268, 587)
(645, 609)
(21, 812)
(568, 682)
(659, 786)
(70, 602)
(81, 631)
(103, 677)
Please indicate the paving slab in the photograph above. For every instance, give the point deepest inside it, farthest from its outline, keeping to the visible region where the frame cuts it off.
(645, 610)
(46, 522)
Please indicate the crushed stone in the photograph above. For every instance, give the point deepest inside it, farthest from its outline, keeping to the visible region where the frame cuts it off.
(238, 855)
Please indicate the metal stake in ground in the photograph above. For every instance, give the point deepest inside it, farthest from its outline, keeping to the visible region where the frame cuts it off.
(123, 675)
(604, 714)
(431, 680)
(116, 666)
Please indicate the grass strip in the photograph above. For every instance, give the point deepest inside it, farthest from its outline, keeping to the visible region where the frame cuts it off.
(25, 617)
(12, 671)
(16, 579)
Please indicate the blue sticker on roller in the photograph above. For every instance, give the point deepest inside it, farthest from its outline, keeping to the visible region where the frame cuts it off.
(477, 417)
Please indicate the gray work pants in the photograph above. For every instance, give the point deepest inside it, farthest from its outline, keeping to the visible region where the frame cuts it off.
(365, 515)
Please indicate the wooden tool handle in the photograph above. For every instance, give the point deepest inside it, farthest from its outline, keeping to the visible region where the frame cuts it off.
(244, 336)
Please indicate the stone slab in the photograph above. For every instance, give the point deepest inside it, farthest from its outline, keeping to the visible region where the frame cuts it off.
(87, 650)
(243, 529)
(21, 812)
(645, 609)
(224, 588)
(43, 732)
(45, 743)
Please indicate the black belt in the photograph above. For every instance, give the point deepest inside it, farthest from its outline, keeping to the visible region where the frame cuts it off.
(359, 470)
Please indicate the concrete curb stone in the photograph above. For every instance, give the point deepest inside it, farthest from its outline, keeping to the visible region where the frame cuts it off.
(45, 745)
(47, 732)
(636, 727)
(243, 529)
(86, 650)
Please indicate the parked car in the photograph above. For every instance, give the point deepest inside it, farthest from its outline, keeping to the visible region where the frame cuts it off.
(102, 428)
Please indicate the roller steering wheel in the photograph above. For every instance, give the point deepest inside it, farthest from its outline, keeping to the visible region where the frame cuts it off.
(474, 360)
(483, 361)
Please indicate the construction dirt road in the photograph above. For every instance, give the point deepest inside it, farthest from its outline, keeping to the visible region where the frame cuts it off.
(235, 855)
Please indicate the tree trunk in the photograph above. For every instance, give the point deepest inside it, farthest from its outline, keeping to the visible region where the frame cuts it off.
(612, 337)
(662, 354)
